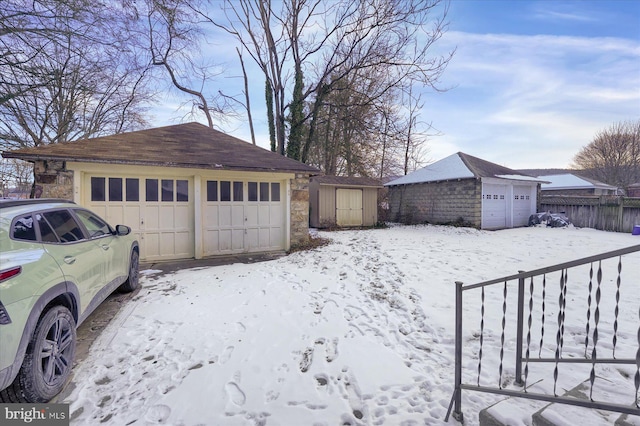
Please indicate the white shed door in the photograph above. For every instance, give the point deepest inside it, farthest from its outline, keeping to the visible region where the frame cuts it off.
(349, 207)
(242, 216)
(158, 209)
(524, 204)
(494, 206)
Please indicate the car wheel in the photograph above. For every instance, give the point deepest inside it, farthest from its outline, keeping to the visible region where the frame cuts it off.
(48, 361)
(132, 282)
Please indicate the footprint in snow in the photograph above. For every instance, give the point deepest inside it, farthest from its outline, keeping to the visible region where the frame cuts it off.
(307, 358)
(158, 413)
(235, 394)
(226, 354)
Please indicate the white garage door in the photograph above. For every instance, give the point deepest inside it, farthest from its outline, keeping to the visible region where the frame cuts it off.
(158, 209)
(494, 206)
(523, 205)
(349, 207)
(242, 216)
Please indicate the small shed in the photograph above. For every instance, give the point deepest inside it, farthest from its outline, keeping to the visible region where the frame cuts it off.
(343, 201)
(571, 184)
(467, 190)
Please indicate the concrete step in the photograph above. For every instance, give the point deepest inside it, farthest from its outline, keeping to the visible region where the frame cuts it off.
(521, 411)
(569, 415)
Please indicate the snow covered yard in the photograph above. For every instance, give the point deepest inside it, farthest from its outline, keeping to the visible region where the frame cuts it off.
(357, 332)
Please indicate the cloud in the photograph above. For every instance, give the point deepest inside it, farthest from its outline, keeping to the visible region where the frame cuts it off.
(513, 93)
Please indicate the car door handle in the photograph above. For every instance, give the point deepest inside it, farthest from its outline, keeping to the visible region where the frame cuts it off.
(69, 260)
(105, 247)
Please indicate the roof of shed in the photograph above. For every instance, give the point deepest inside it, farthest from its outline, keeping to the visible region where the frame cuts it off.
(191, 145)
(347, 180)
(571, 181)
(460, 166)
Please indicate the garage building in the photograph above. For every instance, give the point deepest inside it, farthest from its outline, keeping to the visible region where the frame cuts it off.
(466, 190)
(187, 191)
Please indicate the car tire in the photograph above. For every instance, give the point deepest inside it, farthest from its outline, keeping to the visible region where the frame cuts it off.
(48, 360)
(133, 281)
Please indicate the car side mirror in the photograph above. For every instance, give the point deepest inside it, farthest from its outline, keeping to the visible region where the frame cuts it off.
(122, 230)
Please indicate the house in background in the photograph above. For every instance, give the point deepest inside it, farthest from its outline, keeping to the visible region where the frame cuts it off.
(343, 201)
(185, 190)
(467, 190)
(634, 190)
(571, 184)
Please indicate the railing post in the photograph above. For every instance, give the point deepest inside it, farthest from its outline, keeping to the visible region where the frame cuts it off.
(457, 412)
(519, 326)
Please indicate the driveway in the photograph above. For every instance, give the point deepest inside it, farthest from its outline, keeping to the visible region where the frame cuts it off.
(90, 330)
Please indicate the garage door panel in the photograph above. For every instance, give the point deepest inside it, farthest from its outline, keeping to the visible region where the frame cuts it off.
(275, 218)
(225, 241)
(494, 206)
(166, 217)
(237, 215)
(252, 215)
(211, 217)
(181, 217)
(225, 216)
(265, 238)
(151, 217)
(162, 220)
(237, 239)
(183, 243)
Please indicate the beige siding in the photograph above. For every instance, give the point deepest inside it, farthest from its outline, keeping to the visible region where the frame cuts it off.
(369, 206)
(323, 204)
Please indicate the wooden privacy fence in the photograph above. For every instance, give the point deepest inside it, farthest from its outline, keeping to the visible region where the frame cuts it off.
(605, 212)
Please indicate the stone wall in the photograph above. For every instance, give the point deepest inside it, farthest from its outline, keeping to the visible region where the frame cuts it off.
(437, 202)
(52, 180)
(299, 210)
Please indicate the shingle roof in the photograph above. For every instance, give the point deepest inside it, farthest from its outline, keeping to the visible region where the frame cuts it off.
(459, 166)
(191, 145)
(347, 180)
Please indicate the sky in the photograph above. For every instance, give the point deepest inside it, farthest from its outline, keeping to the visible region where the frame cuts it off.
(530, 84)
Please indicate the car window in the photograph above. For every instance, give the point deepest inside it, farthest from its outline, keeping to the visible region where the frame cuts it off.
(23, 228)
(95, 226)
(46, 231)
(64, 225)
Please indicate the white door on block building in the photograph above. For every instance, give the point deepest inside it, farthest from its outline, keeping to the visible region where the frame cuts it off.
(494, 206)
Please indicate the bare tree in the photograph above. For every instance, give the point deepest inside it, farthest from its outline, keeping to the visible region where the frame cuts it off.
(309, 51)
(173, 42)
(73, 88)
(613, 156)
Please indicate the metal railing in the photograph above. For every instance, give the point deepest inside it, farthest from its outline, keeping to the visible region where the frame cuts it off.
(543, 312)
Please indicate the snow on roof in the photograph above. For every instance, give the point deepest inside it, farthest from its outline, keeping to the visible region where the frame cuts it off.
(460, 166)
(451, 167)
(571, 181)
(520, 177)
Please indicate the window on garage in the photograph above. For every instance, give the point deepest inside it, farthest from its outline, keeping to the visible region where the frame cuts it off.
(98, 189)
(151, 190)
(264, 191)
(253, 191)
(115, 189)
(237, 191)
(133, 189)
(225, 190)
